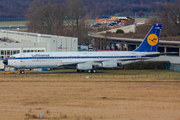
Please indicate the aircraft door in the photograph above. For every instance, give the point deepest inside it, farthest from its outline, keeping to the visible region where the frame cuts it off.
(22, 61)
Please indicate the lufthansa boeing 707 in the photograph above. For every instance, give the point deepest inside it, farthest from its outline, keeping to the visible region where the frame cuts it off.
(88, 61)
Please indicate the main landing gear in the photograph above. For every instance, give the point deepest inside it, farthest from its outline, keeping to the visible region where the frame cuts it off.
(89, 71)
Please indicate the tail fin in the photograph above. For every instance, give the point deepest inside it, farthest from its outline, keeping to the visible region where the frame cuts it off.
(151, 41)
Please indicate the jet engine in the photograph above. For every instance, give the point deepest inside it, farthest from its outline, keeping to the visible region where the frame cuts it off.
(109, 64)
(83, 66)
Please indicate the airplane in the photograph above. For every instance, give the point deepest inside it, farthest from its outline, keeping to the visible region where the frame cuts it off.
(88, 61)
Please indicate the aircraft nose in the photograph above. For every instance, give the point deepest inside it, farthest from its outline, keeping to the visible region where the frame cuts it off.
(5, 61)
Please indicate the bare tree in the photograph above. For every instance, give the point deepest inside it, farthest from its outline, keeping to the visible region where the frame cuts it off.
(140, 13)
(50, 19)
(174, 14)
(164, 16)
(169, 16)
(60, 14)
(75, 12)
(83, 30)
(43, 19)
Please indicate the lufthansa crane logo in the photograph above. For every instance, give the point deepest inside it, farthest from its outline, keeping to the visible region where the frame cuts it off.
(152, 39)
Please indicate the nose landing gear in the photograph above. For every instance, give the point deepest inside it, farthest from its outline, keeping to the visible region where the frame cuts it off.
(21, 71)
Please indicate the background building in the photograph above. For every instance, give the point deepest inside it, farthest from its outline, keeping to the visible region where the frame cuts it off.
(12, 42)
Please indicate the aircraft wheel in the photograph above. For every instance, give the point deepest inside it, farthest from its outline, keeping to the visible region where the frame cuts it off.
(21, 71)
(94, 71)
(89, 71)
(78, 70)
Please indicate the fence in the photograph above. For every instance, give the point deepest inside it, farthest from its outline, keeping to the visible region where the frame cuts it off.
(174, 67)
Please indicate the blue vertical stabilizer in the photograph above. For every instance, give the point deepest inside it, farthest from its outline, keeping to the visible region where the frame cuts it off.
(151, 41)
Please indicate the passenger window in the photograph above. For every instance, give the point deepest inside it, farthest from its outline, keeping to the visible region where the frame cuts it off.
(14, 51)
(2, 52)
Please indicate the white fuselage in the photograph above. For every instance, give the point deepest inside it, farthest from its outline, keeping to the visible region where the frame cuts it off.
(57, 59)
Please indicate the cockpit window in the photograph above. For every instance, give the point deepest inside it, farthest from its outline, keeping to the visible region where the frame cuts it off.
(12, 57)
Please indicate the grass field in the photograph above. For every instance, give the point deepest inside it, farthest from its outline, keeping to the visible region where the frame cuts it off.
(114, 75)
(12, 23)
(65, 96)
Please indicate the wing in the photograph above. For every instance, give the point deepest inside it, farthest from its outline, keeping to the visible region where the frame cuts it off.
(123, 60)
(95, 62)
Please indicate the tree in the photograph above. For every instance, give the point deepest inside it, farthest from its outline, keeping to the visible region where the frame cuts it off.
(60, 14)
(119, 31)
(42, 19)
(83, 30)
(74, 12)
(140, 13)
(174, 16)
(169, 16)
(45, 17)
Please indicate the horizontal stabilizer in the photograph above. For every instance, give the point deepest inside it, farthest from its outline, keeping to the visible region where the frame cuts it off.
(158, 54)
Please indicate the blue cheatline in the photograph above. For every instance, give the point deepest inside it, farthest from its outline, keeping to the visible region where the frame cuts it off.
(151, 41)
(79, 57)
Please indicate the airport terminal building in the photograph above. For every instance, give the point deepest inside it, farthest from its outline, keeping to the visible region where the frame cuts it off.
(12, 42)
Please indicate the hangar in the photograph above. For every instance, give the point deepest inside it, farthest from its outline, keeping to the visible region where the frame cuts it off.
(12, 42)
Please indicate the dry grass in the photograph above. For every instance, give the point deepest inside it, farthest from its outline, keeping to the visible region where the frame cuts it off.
(113, 75)
(75, 98)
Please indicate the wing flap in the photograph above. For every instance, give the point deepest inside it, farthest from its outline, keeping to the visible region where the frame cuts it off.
(130, 59)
